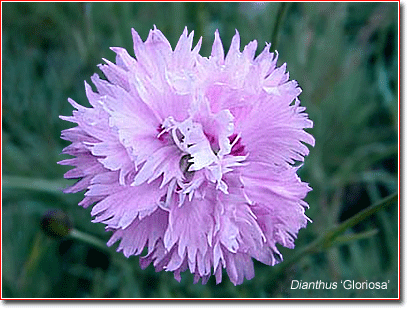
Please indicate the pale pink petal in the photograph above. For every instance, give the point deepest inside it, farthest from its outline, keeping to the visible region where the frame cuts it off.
(141, 233)
(278, 127)
(125, 203)
(190, 227)
(277, 194)
(218, 50)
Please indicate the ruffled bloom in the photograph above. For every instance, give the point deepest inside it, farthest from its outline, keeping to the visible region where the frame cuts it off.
(193, 157)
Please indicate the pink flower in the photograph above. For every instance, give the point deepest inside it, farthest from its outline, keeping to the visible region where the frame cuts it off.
(193, 157)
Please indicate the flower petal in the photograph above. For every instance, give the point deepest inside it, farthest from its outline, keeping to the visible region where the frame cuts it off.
(125, 203)
(190, 227)
(277, 194)
(217, 49)
(141, 233)
(273, 130)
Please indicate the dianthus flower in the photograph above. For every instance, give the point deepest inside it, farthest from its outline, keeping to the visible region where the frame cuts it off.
(193, 157)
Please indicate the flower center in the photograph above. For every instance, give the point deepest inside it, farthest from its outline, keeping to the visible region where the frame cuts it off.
(189, 137)
(206, 156)
(184, 164)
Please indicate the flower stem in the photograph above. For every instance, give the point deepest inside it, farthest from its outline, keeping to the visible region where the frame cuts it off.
(332, 236)
(119, 260)
(89, 239)
(283, 8)
(353, 237)
(354, 220)
(40, 246)
(41, 185)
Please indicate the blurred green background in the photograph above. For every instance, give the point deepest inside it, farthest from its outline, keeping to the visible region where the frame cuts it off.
(345, 58)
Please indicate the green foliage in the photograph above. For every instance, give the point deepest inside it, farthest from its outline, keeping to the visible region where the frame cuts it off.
(344, 56)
